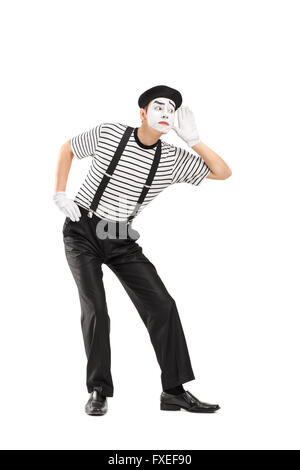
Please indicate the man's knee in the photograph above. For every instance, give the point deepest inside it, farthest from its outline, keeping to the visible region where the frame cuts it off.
(166, 307)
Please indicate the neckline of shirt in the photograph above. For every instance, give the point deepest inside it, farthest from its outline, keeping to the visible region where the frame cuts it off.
(140, 143)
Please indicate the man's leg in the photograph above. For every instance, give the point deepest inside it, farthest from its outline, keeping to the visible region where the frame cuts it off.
(86, 268)
(158, 311)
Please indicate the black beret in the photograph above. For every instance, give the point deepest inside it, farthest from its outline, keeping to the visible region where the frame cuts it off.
(160, 91)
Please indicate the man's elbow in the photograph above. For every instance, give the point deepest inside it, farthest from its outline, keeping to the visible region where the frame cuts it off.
(226, 174)
(220, 175)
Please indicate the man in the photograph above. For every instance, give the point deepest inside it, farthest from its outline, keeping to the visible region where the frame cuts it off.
(130, 167)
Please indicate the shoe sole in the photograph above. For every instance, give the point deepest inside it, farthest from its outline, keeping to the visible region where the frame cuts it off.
(179, 408)
(95, 413)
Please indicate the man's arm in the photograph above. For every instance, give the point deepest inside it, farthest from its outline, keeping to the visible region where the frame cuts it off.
(80, 146)
(187, 130)
(63, 167)
(66, 205)
(219, 170)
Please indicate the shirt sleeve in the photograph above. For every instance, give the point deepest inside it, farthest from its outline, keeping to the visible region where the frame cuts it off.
(85, 144)
(188, 167)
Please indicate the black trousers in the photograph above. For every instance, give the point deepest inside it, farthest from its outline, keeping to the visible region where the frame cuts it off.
(85, 253)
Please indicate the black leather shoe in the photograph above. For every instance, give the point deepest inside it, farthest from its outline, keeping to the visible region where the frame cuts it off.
(97, 404)
(187, 401)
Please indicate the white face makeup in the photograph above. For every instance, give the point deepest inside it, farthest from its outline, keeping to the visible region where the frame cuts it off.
(161, 114)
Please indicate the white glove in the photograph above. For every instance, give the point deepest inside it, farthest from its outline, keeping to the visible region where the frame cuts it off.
(67, 206)
(187, 128)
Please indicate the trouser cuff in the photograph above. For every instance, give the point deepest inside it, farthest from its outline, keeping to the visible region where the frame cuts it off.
(107, 391)
(171, 383)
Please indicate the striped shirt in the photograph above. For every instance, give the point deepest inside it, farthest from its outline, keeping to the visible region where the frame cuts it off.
(124, 187)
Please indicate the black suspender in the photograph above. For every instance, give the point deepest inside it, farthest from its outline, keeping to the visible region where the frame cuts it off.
(148, 183)
(111, 168)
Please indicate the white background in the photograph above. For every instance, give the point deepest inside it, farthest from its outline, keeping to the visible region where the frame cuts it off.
(234, 272)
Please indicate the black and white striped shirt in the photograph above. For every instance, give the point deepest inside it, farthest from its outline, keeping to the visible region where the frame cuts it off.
(124, 187)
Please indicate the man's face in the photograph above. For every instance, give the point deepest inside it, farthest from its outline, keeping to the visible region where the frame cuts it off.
(161, 114)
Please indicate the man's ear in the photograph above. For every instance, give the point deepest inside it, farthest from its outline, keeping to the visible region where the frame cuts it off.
(142, 114)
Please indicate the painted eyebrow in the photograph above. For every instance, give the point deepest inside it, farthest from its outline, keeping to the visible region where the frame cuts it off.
(159, 102)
